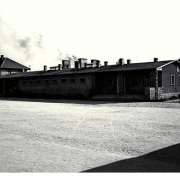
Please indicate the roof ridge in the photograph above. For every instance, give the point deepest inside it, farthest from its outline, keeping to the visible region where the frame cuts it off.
(3, 62)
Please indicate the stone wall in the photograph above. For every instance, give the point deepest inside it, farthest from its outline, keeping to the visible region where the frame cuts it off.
(170, 95)
(120, 83)
(150, 93)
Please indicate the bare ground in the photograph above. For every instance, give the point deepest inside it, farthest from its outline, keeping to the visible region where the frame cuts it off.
(40, 135)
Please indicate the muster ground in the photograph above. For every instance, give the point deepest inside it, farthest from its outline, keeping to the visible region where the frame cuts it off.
(48, 135)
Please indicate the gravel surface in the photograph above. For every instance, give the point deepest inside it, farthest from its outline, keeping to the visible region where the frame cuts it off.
(38, 135)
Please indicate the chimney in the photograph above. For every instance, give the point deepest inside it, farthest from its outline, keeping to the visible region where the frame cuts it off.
(128, 61)
(65, 64)
(45, 68)
(105, 63)
(95, 62)
(76, 64)
(98, 63)
(82, 61)
(2, 57)
(121, 61)
(59, 67)
(155, 59)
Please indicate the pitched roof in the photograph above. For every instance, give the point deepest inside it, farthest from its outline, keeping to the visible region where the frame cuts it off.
(10, 64)
(138, 66)
(57, 72)
(109, 68)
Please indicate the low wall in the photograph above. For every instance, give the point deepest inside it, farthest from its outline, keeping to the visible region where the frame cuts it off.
(170, 95)
(151, 94)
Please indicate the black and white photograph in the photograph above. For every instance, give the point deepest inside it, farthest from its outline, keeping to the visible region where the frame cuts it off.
(90, 87)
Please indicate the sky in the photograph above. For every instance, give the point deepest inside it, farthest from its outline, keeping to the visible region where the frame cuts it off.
(42, 32)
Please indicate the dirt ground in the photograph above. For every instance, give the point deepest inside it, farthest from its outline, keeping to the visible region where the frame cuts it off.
(41, 135)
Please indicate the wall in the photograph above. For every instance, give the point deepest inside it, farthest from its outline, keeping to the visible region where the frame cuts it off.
(68, 89)
(120, 79)
(150, 93)
(106, 83)
(8, 71)
(166, 78)
(140, 87)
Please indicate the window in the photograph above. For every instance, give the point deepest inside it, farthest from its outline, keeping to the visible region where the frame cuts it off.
(46, 81)
(38, 81)
(172, 79)
(72, 80)
(178, 69)
(82, 80)
(179, 80)
(31, 82)
(134, 80)
(63, 80)
(24, 82)
(109, 81)
(54, 81)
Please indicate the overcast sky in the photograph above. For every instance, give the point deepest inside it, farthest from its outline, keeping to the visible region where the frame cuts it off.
(41, 32)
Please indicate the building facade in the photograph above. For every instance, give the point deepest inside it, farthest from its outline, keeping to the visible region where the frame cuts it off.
(154, 80)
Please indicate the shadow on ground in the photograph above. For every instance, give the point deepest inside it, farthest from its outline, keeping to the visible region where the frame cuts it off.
(58, 100)
(163, 160)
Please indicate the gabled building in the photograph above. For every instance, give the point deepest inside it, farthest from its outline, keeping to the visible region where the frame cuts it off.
(8, 66)
(154, 80)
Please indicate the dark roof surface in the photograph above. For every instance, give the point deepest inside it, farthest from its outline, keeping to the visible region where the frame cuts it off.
(10, 64)
(109, 68)
(57, 72)
(138, 66)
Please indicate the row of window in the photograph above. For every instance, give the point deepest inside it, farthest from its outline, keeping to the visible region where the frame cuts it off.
(53, 81)
(173, 80)
(148, 80)
(134, 80)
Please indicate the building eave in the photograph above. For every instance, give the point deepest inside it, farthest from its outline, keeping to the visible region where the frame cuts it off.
(160, 67)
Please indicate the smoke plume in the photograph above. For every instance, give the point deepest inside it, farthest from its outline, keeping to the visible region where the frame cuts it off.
(33, 49)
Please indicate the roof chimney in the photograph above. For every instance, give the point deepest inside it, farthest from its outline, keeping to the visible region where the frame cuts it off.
(59, 67)
(155, 59)
(128, 61)
(76, 64)
(121, 61)
(66, 64)
(105, 63)
(45, 68)
(2, 57)
(98, 63)
(95, 62)
(82, 61)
